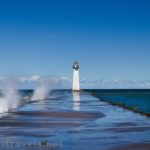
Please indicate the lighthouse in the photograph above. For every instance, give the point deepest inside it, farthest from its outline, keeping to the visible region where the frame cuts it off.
(76, 84)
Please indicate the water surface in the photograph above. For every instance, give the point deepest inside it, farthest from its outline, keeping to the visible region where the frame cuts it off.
(71, 121)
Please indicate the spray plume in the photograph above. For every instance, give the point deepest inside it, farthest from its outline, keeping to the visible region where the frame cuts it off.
(43, 88)
(10, 98)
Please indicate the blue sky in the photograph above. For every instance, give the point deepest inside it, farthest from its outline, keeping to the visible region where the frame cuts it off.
(110, 39)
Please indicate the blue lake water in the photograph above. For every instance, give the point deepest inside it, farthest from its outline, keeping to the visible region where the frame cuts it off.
(136, 99)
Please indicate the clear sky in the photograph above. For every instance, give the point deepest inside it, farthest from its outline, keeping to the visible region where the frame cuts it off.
(109, 38)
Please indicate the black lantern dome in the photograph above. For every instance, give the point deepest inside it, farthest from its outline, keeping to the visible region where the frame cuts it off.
(76, 65)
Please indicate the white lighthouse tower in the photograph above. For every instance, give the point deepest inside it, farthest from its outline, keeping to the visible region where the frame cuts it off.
(76, 84)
